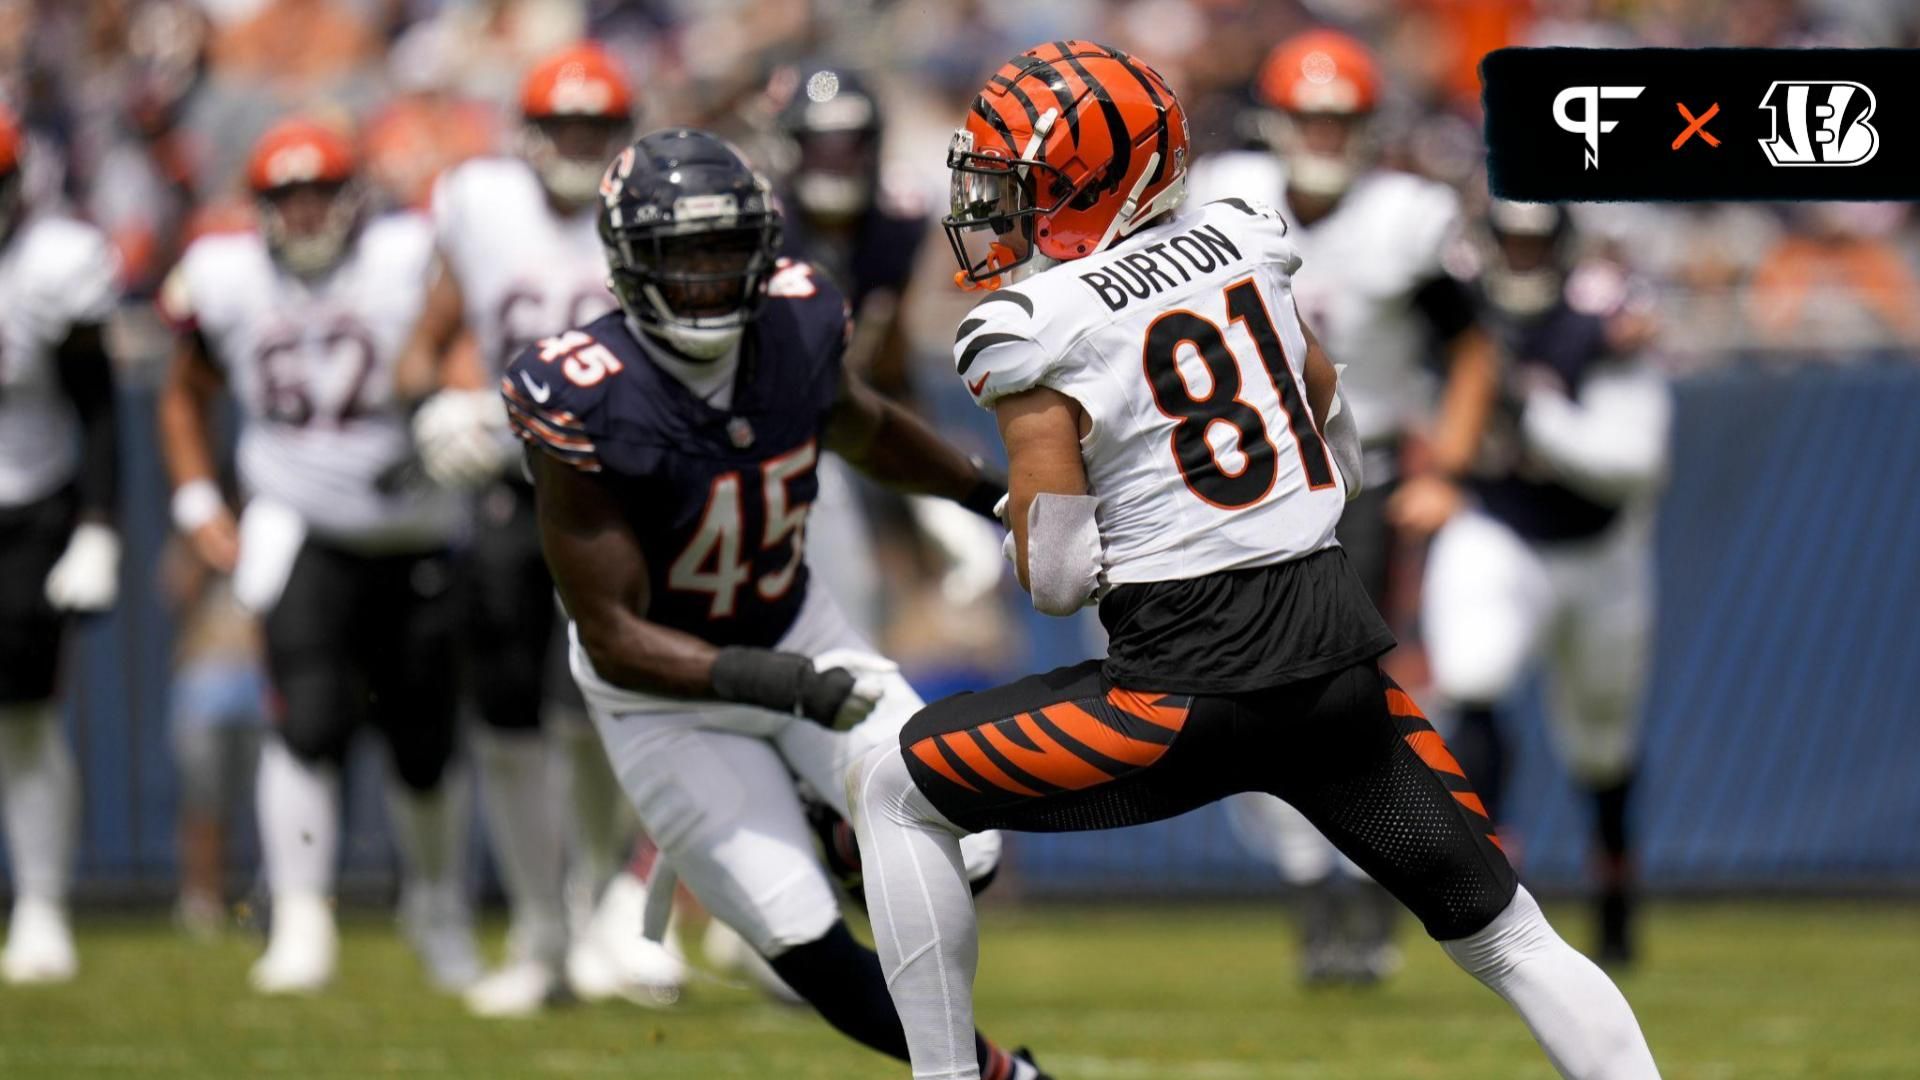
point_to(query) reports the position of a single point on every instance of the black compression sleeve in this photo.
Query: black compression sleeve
(986, 492)
(781, 681)
(86, 376)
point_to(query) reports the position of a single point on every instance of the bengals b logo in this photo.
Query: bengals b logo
(1825, 123)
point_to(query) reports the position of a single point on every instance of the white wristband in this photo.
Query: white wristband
(195, 503)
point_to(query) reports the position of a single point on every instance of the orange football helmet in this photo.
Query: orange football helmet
(10, 181)
(9, 141)
(1069, 147)
(1322, 87)
(300, 151)
(303, 173)
(578, 110)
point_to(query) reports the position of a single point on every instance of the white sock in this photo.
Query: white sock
(430, 829)
(922, 911)
(299, 821)
(41, 792)
(524, 827)
(1575, 1012)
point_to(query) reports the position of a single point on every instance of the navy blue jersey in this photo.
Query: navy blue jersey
(1573, 344)
(718, 498)
(877, 255)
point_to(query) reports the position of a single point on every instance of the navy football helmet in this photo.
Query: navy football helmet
(1528, 252)
(831, 128)
(691, 234)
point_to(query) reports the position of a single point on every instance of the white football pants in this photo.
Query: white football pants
(714, 783)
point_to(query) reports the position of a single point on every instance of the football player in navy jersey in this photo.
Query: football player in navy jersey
(1554, 560)
(673, 445)
(839, 215)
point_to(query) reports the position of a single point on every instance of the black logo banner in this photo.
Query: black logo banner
(1659, 124)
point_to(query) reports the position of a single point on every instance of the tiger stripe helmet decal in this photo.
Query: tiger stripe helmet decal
(1068, 147)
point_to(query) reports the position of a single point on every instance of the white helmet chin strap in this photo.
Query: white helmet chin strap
(690, 339)
(700, 343)
(1132, 215)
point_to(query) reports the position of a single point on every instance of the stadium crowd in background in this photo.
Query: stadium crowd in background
(140, 115)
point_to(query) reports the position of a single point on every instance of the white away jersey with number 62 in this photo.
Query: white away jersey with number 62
(311, 364)
(1182, 344)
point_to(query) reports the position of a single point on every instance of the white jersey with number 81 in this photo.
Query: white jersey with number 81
(1182, 345)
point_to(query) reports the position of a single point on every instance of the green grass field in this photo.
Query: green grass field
(1181, 993)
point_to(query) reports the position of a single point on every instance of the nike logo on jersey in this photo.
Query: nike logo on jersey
(1149, 271)
(979, 384)
(540, 391)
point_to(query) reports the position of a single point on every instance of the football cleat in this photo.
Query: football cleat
(614, 959)
(729, 954)
(302, 947)
(514, 992)
(1025, 1057)
(439, 927)
(39, 945)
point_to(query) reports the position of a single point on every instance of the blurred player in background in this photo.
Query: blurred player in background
(519, 260)
(1170, 427)
(216, 715)
(673, 446)
(302, 320)
(1554, 560)
(59, 551)
(1374, 289)
(864, 233)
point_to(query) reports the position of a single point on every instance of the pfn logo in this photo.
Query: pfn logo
(1589, 125)
(1826, 124)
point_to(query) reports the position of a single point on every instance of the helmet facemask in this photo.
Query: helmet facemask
(308, 225)
(1526, 263)
(570, 152)
(695, 284)
(833, 180)
(992, 205)
(1324, 152)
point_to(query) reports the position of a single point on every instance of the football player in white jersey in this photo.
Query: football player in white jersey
(59, 553)
(1375, 292)
(519, 260)
(1179, 455)
(1554, 560)
(302, 321)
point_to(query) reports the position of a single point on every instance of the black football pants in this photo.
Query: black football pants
(1068, 750)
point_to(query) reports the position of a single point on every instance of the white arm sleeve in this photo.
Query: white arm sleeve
(1610, 444)
(1063, 552)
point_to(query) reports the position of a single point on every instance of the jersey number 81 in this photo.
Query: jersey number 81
(1199, 462)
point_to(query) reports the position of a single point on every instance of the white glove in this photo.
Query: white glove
(966, 542)
(871, 674)
(462, 437)
(87, 577)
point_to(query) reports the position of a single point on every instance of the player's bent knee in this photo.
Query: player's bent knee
(420, 760)
(1511, 935)
(880, 784)
(313, 731)
(794, 917)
